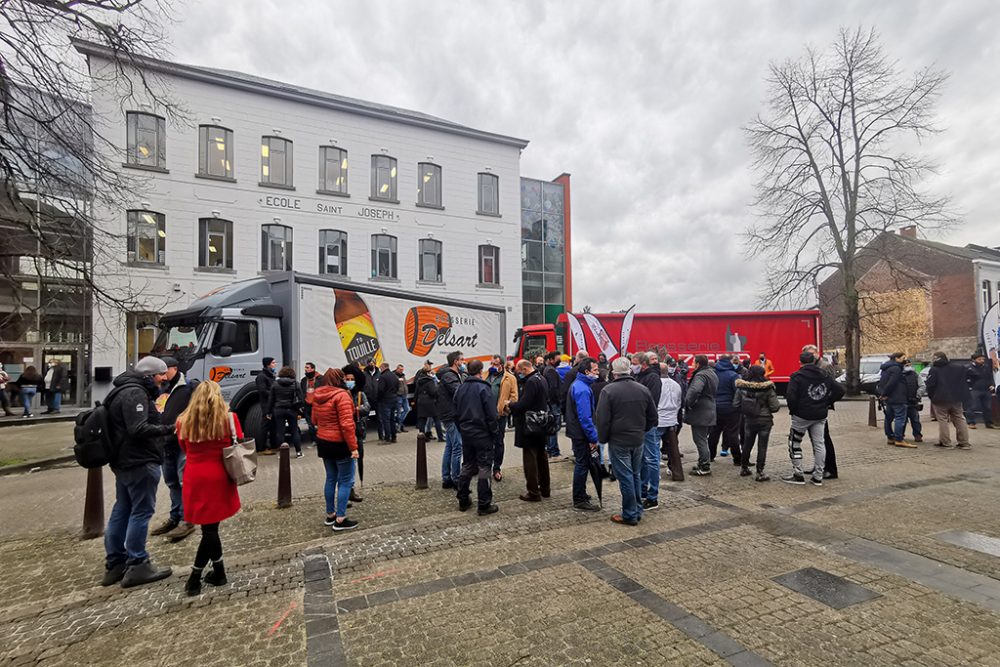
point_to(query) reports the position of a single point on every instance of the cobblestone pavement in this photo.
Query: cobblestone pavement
(696, 583)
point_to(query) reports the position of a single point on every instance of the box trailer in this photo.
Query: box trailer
(298, 318)
(778, 334)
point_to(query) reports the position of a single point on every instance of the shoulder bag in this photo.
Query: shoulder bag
(239, 458)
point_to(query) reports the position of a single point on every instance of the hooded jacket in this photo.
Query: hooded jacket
(649, 378)
(728, 376)
(811, 391)
(450, 381)
(286, 394)
(134, 424)
(891, 383)
(264, 381)
(333, 415)
(948, 383)
(912, 383)
(699, 400)
(980, 377)
(476, 411)
(625, 414)
(175, 401)
(425, 390)
(580, 410)
(757, 401)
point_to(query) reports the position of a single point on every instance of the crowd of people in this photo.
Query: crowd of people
(621, 418)
(31, 383)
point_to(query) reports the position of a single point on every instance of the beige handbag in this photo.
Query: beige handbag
(240, 458)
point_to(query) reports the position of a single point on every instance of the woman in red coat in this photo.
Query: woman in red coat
(209, 495)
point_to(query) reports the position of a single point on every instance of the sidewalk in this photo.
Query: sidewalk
(893, 563)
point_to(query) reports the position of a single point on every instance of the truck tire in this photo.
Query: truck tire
(254, 426)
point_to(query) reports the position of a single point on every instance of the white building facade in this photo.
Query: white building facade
(264, 176)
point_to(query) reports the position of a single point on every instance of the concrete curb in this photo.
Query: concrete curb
(20, 421)
(43, 463)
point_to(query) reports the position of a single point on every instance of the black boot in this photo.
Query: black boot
(354, 497)
(193, 585)
(144, 573)
(217, 577)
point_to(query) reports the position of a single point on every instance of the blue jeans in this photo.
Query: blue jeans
(339, 480)
(982, 402)
(135, 502)
(552, 445)
(436, 423)
(386, 412)
(55, 401)
(626, 462)
(913, 417)
(451, 461)
(174, 459)
(27, 395)
(402, 409)
(895, 421)
(651, 456)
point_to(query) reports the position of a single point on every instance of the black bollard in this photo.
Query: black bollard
(284, 477)
(872, 414)
(93, 505)
(421, 461)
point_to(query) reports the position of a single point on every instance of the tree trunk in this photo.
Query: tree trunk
(852, 333)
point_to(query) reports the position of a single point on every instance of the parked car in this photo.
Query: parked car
(871, 371)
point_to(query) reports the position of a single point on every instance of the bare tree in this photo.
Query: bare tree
(56, 167)
(835, 169)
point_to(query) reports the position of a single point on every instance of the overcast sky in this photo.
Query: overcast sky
(642, 102)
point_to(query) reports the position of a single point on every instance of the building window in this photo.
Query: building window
(383, 256)
(276, 162)
(215, 151)
(332, 170)
(489, 194)
(987, 293)
(333, 252)
(384, 178)
(147, 140)
(428, 184)
(275, 248)
(430, 261)
(147, 237)
(489, 265)
(215, 243)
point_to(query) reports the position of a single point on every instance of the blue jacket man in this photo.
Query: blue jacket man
(475, 411)
(582, 431)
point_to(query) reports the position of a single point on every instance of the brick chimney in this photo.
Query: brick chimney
(910, 231)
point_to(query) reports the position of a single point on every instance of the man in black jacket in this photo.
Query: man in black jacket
(386, 398)
(810, 393)
(553, 380)
(948, 389)
(625, 414)
(173, 400)
(912, 382)
(982, 387)
(137, 438)
(892, 391)
(449, 380)
(264, 381)
(476, 417)
(649, 377)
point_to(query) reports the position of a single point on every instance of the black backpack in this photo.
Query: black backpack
(92, 446)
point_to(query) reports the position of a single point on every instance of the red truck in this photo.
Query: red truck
(778, 334)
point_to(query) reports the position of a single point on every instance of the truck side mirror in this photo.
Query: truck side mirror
(226, 335)
(224, 350)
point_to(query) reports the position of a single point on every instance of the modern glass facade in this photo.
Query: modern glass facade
(544, 249)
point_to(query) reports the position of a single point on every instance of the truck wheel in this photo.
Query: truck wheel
(254, 424)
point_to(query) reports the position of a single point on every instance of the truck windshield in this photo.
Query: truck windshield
(178, 341)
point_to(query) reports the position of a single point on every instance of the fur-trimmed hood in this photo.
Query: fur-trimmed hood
(754, 386)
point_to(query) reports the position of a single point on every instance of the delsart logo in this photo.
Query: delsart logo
(428, 326)
(219, 373)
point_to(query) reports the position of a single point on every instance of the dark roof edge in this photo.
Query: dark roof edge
(200, 74)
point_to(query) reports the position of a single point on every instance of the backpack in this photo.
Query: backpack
(92, 446)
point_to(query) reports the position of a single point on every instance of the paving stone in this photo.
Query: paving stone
(829, 589)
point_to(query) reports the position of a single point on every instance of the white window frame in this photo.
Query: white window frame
(393, 255)
(205, 240)
(158, 223)
(157, 158)
(332, 183)
(327, 238)
(272, 149)
(385, 172)
(268, 260)
(429, 185)
(433, 251)
(484, 178)
(494, 256)
(209, 149)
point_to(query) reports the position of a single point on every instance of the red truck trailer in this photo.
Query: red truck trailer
(778, 334)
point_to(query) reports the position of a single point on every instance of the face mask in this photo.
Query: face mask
(462, 367)
(349, 384)
(636, 368)
(520, 375)
(494, 370)
(310, 374)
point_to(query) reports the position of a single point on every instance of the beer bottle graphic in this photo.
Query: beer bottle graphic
(356, 328)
